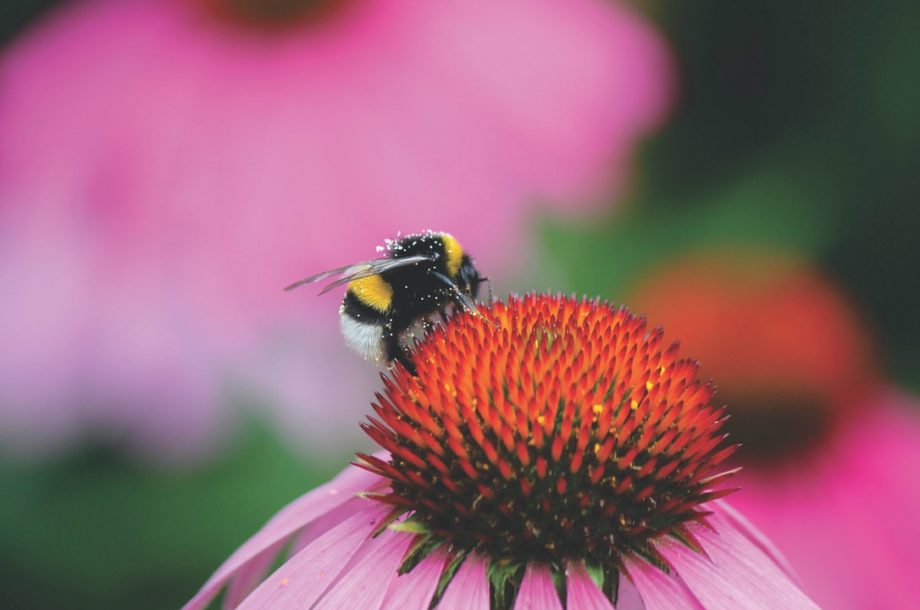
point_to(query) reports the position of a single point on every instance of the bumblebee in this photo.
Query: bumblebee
(422, 275)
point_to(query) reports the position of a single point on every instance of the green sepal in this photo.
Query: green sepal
(410, 526)
(505, 579)
(421, 547)
(559, 583)
(385, 523)
(685, 537)
(596, 572)
(606, 577)
(652, 556)
(447, 575)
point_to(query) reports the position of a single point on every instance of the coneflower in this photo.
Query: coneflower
(550, 453)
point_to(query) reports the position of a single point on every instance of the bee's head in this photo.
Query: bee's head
(458, 269)
(468, 279)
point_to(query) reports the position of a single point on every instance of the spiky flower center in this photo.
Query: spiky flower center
(549, 429)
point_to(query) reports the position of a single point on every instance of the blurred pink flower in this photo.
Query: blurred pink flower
(831, 464)
(166, 166)
(846, 517)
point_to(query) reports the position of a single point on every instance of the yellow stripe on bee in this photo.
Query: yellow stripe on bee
(454, 254)
(373, 291)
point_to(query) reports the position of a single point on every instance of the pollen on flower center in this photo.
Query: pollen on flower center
(549, 429)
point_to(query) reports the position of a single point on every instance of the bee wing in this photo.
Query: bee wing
(318, 277)
(358, 271)
(375, 267)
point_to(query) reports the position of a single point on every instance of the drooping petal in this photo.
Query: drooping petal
(628, 597)
(323, 524)
(307, 575)
(659, 591)
(469, 590)
(364, 584)
(581, 592)
(736, 573)
(292, 518)
(415, 589)
(537, 590)
(250, 575)
(757, 537)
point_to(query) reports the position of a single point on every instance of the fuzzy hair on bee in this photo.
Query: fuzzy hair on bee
(423, 275)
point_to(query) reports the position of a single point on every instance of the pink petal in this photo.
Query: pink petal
(628, 597)
(304, 577)
(737, 574)
(758, 538)
(581, 592)
(366, 580)
(415, 589)
(287, 522)
(659, 591)
(323, 524)
(469, 590)
(250, 575)
(537, 591)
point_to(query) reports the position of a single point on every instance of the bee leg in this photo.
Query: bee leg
(491, 296)
(428, 325)
(394, 349)
(400, 355)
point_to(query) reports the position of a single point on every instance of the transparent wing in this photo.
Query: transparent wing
(318, 277)
(375, 267)
(359, 271)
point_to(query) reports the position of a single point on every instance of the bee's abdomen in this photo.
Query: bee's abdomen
(364, 338)
(374, 292)
(362, 326)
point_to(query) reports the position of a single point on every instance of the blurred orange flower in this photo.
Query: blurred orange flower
(829, 451)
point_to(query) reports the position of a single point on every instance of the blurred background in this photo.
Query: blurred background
(744, 173)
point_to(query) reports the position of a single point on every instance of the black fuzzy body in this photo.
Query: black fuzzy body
(419, 291)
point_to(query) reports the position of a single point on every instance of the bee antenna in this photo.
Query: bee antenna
(465, 301)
